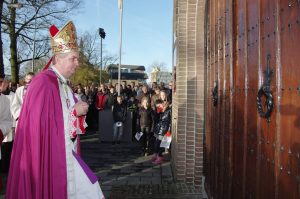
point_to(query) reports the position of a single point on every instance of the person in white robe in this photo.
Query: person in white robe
(19, 96)
(6, 121)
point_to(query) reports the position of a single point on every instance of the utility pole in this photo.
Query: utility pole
(102, 36)
(120, 5)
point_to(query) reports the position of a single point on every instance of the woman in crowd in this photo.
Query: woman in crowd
(162, 126)
(145, 123)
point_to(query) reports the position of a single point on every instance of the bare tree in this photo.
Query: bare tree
(109, 59)
(39, 65)
(90, 44)
(158, 65)
(90, 60)
(33, 18)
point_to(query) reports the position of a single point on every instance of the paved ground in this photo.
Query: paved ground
(124, 173)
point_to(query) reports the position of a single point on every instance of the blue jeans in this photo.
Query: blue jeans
(118, 132)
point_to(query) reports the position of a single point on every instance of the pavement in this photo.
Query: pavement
(126, 174)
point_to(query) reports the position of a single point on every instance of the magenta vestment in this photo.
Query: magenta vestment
(38, 162)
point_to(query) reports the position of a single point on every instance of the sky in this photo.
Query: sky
(147, 28)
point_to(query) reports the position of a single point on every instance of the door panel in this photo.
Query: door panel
(251, 92)
(289, 120)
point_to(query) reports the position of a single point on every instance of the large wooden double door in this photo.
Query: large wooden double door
(253, 46)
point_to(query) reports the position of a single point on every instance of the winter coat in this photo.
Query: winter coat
(145, 118)
(163, 123)
(119, 112)
(101, 101)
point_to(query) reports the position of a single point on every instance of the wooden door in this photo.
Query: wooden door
(249, 43)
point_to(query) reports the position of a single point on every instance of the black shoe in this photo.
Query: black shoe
(118, 142)
(113, 143)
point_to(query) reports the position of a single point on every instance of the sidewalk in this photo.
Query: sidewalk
(126, 174)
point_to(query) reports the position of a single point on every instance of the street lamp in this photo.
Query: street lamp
(102, 36)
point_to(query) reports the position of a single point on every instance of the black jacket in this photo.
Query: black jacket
(119, 112)
(145, 118)
(163, 123)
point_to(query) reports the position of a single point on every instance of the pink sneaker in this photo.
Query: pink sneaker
(154, 157)
(158, 160)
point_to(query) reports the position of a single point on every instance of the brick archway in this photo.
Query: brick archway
(188, 101)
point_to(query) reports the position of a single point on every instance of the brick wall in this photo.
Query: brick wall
(188, 100)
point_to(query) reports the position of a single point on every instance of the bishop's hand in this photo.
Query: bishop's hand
(81, 108)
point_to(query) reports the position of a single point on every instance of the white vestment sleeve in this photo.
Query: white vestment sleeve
(6, 121)
(17, 103)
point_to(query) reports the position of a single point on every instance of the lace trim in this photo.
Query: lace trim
(77, 124)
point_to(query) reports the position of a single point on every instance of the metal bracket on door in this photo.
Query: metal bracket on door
(265, 90)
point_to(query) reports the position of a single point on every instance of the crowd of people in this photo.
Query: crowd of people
(147, 104)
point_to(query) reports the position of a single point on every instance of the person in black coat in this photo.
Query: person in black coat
(145, 124)
(119, 116)
(161, 127)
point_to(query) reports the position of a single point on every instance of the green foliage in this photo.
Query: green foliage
(87, 74)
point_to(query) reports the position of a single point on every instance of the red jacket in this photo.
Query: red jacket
(100, 101)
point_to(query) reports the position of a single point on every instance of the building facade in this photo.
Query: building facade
(129, 73)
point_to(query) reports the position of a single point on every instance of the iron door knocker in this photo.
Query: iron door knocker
(265, 90)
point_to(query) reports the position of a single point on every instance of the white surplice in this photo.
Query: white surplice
(17, 102)
(79, 185)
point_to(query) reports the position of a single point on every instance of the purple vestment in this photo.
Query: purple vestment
(38, 162)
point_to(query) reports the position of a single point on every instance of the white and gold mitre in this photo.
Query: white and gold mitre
(64, 40)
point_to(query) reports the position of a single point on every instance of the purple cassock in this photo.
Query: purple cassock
(38, 163)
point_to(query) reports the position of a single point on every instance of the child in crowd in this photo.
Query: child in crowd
(145, 124)
(119, 116)
(164, 96)
(162, 126)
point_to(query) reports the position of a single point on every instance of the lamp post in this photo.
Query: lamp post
(102, 36)
(120, 5)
